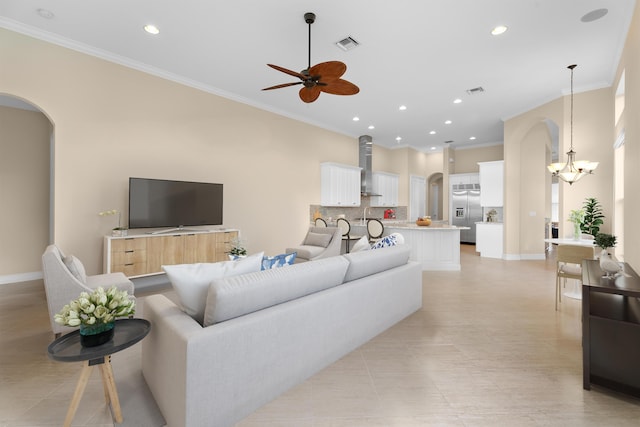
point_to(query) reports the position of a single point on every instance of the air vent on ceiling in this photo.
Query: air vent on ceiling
(448, 142)
(475, 90)
(347, 43)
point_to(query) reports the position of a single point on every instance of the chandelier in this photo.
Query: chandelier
(573, 169)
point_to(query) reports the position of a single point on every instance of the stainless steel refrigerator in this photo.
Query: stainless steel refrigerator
(466, 210)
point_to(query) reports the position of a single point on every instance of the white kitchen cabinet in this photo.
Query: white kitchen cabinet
(489, 237)
(491, 183)
(385, 184)
(340, 185)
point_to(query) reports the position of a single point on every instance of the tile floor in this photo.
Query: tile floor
(487, 349)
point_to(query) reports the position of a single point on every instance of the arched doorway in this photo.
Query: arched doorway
(436, 193)
(26, 137)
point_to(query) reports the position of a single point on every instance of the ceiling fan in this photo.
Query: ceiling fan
(323, 77)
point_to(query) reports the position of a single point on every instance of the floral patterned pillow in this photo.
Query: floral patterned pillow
(269, 262)
(390, 240)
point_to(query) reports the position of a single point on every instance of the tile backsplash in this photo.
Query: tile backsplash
(355, 213)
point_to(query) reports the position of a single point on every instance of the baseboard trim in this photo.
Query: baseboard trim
(21, 277)
(524, 257)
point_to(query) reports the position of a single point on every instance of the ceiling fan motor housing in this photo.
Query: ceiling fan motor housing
(309, 17)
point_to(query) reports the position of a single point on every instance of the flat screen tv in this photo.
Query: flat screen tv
(157, 203)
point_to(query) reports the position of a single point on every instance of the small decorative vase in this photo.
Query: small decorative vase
(576, 231)
(98, 334)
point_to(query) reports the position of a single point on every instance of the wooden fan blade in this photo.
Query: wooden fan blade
(340, 87)
(309, 94)
(291, 73)
(328, 71)
(282, 85)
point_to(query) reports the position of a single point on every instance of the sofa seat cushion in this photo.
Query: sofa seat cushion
(366, 263)
(231, 297)
(191, 281)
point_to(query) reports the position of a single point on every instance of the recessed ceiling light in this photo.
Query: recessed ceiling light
(433, 148)
(356, 119)
(448, 122)
(500, 29)
(457, 101)
(151, 29)
(472, 138)
(398, 139)
(372, 127)
(402, 107)
(433, 132)
(46, 14)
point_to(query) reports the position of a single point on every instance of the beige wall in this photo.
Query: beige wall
(526, 139)
(466, 160)
(24, 189)
(630, 62)
(112, 122)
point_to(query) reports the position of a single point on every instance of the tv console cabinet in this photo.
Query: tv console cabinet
(611, 329)
(144, 254)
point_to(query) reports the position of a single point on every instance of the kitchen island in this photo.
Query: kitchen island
(436, 247)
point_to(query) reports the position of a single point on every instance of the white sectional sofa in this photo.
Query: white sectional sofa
(271, 330)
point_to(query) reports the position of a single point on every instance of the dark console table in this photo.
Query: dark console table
(611, 329)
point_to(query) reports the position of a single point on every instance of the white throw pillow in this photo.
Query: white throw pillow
(361, 245)
(191, 281)
(76, 268)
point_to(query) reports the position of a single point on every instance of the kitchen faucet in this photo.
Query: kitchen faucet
(364, 214)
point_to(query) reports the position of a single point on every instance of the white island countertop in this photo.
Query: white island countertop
(436, 247)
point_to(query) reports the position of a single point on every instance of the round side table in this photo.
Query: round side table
(68, 349)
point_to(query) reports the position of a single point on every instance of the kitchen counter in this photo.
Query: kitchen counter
(436, 247)
(489, 239)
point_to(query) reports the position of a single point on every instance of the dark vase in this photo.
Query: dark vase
(98, 334)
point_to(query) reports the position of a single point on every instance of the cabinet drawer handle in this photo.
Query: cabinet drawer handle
(129, 252)
(128, 265)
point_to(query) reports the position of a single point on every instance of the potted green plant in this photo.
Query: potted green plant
(237, 249)
(607, 264)
(593, 216)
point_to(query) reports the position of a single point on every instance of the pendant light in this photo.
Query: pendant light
(573, 169)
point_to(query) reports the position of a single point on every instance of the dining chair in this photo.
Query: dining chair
(375, 229)
(319, 222)
(569, 265)
(345, 229)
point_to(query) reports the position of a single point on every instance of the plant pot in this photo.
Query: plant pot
(119, 232)
(95, 335)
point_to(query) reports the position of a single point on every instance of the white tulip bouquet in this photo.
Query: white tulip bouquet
(95, 308)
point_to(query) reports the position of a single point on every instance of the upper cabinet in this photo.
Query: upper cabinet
(492, 183)
(340, 185)
(386, 185)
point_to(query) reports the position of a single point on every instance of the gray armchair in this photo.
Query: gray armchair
(320, 242)
(65, 279)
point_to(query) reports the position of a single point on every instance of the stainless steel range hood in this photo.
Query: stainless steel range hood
(365, 150)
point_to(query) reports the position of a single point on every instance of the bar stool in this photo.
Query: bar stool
(345, 229)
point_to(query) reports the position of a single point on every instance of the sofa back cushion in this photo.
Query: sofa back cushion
(232, 297)
(366, 263)
(191, 281)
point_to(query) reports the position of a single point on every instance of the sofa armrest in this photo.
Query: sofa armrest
(164, 353)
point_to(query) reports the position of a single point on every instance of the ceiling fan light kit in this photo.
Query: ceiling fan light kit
(573, 169)
(322, 77)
